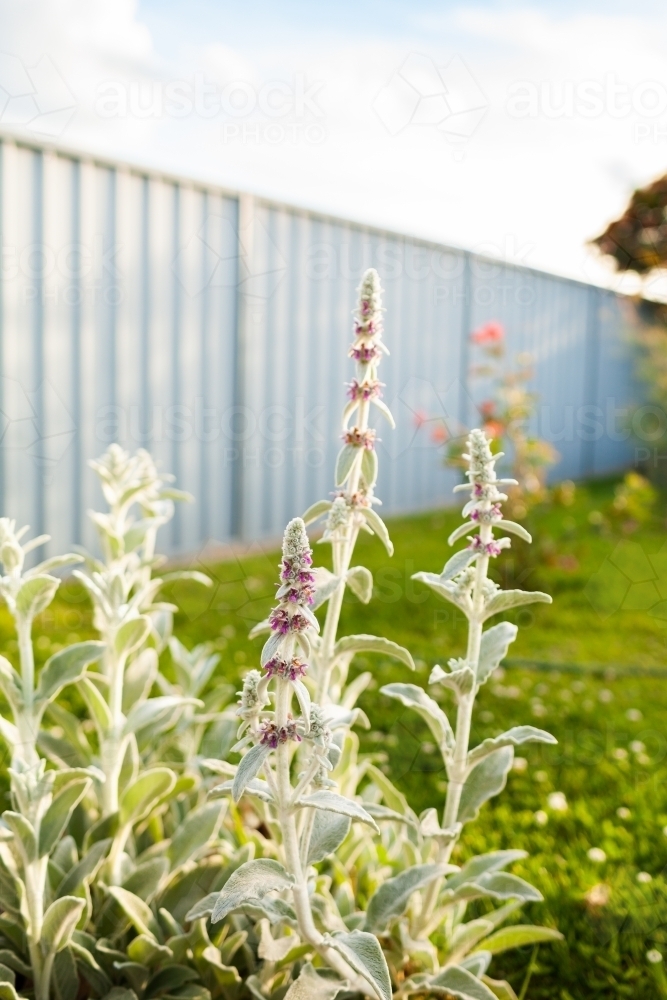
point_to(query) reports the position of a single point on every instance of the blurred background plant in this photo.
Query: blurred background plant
(505, 415)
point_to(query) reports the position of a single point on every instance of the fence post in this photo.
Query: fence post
(591, 376)
(245, 247)
(464, 356)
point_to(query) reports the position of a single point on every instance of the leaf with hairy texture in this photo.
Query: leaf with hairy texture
(65, 975)
(131, 635)
(169, 979)
(259, 629)
(10, 683)
(484, 781)
(7, 974)
(447, 590)
(477, 962)
(59, 922)
(24, 833)
(13, 961)
(369, 466)
(360, 581)
(500, 988)
(106, 827)
(385, 411)
(461, 984)
(256, 787)
(58, 814)
(514, 529)
(379, 528)
(459, 532)
(500, 885)
(8, 992)
(316, 510)
(35, 595)
(344, 463)
(204, 908)
(332, 802)
(139, 678)
(517, 936)
(363, 953)
(391, 899)
(249, 768)
(82, 871)
(146, 951)
(143, 794)
(355, 688)
(482, 863)
(97, 706)
(250, 883)
(328, 833)
(303, 697)
(373, 644)
(493, 648)
(326, 584)
(154, 711)
(458, 562)
(199, 827)
(381, 812)
(145, 879)
(270, 648)
(138, 913)
(66, 667)
(506, 599)
(460, 681)
(311, 986)
(515, 737)
(416, 698)
(9, 732)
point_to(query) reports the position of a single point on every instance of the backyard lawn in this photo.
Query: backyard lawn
(592, 811)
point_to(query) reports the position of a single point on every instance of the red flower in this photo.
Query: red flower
(493, 429)
(492, 332)
(439, 434)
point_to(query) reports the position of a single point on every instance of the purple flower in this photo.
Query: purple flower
(289, 670)
(273, 735)
(491, 548)
(365, 353)
(360, 439)
(364, 390)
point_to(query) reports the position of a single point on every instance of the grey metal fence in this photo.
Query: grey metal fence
(211, 327)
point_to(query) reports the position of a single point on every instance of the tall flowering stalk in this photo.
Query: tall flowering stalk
(302, 807)
(474, 775)
(352, 509)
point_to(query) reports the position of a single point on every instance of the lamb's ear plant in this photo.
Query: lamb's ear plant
(421, 910)
(307, 813)
(352, 511)
(298, 792)
(134, 626)
(41, 908)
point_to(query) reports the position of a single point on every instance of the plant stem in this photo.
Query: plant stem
(26, 721)
(35, 880)
(343, 551)
(529, 973)
(287, 821)
(458, 766)
(112, 742)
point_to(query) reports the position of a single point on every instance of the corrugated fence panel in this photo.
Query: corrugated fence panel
(212, 328)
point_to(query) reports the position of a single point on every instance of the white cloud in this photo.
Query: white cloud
(533, 187)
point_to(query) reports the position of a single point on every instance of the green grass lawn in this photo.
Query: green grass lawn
(610, 612)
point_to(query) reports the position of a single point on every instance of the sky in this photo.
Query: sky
(515, 129)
